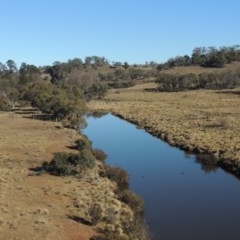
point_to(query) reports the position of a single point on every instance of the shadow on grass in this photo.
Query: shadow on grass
(229, 92)
(79, 220)
(36, 171)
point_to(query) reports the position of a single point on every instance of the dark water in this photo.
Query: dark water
(183, 199)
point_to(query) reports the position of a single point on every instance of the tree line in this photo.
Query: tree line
(205, 57)
(60, 90)
(63, 85)
(179, 82)
(86, 79)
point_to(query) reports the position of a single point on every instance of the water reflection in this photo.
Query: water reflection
(208, 162)
(96, 114)
(186, 197)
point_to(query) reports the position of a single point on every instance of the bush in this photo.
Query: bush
(118, 175)
(59, 165)
(136, 228)
(83, 159)
(99, 155)
(64, 164)
(134, 201)
(4, 104)
(110, 216)
(83, 143)
(96, 213)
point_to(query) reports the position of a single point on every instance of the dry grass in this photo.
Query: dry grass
(202, 120)
(45, 206)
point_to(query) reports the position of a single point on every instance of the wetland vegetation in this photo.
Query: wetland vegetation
(191, 102)
(181, 191)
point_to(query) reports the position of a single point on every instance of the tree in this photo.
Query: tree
(9, 92)
(198, 56)
(82, 79)
(98, 89)
(12, 67)
(125, 65)
(28, 73)
(59, 102)
(3, 68)
(135, 73)
(216, 60)
(88, 61)
(56, 72)
(117, 64)
(75, 63)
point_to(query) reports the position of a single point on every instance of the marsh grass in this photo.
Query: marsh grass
(203, 121)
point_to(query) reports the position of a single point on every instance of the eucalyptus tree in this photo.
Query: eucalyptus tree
(28, 73)
(12, 66)
(3, 68)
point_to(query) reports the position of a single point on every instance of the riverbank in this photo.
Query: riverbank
(36, 205)
(202, 121)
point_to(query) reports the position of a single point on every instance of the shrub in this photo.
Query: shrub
(4, 104)
(64, 164)
(134, 201)
(83, 143)
(96, 213)
(99, 155)
(59, 165)
(110, 216)
(136, 228)
(118, 175)
(83, 159)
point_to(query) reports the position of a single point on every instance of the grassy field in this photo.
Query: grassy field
(201, 121)
(34, 206)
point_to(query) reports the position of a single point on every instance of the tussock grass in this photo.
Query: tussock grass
(202, 121)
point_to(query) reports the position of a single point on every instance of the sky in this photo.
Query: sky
(136, 31)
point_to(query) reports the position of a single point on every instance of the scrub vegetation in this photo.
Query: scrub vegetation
(72, 194)
(191, 102)
(83, 164)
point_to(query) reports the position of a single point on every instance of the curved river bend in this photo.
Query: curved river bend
(183, 199)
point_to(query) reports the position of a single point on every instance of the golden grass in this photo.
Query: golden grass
(37, 207)
(201, 120)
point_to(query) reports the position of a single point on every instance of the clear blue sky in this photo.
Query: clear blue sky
(41, 32)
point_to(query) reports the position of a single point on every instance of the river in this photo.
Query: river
(183, 199)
